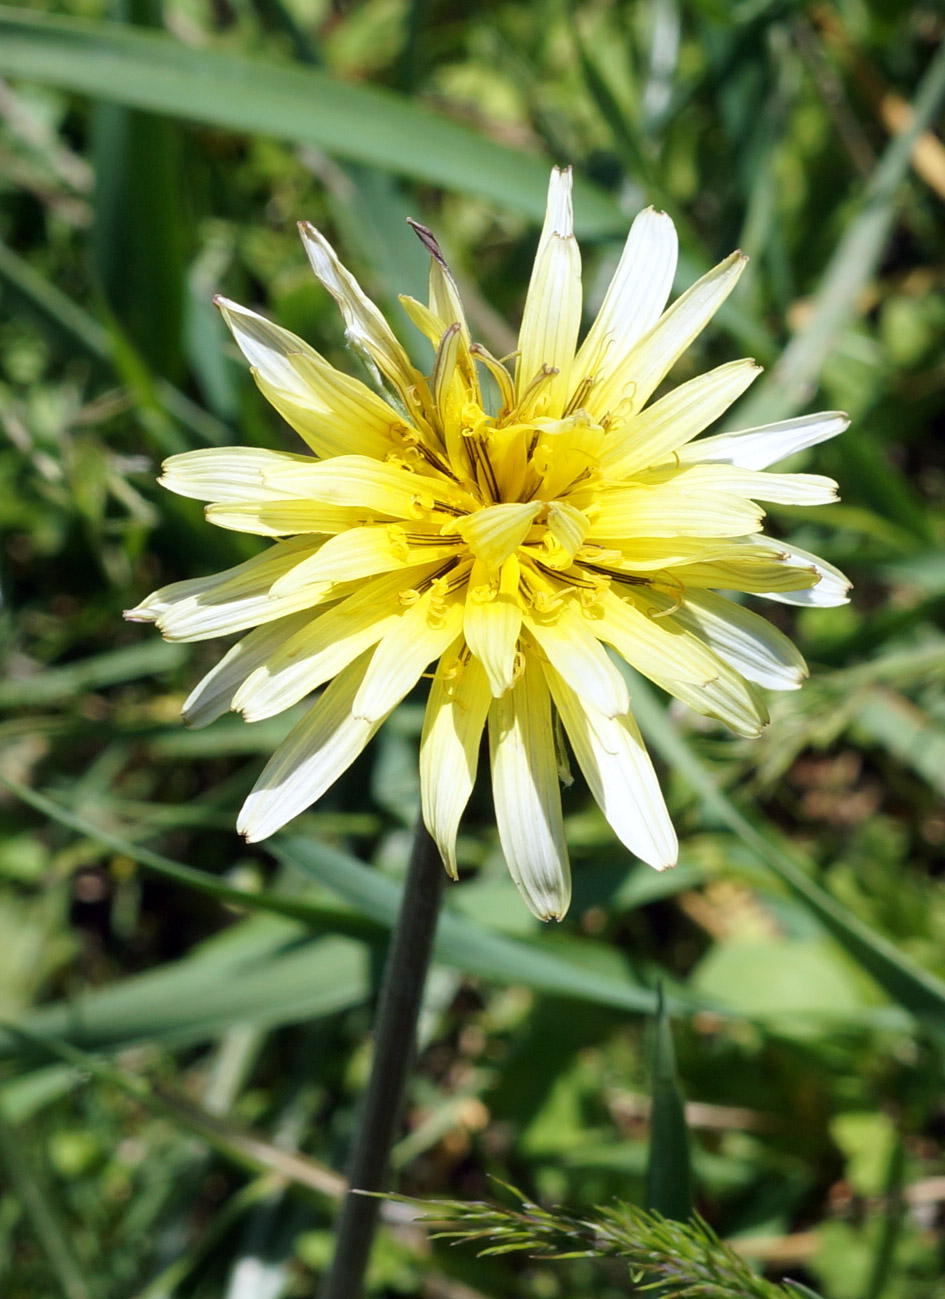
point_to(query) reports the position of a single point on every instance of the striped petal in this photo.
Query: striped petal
(420, 635)
(449, 746)
(619, 774)
(310, 760)
(214, 695)
(632, 305)
(492, 620)
(569, 645)
(745, 641)
(365, 327)
(320, 649)
(526, 795)
(757, 448)
(552, 315)
(229, 474)
(666, 426)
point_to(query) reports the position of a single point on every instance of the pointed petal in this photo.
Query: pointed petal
(334, 413)
(361, 552)
(552, 315)
(310, 759)
(366, 328)
(668, 509)
(492, 620)
(496, 532)
(831, 587)
(745, 641)
(709, 479)
(569, 645)
(526, 795)
(321, 648)
(757, 448)
(228, 473)
(619, 774)
(646, 365)
(449, 746)
(203, 607)
(647, 643)
(357, 480)
(632, 305)
(214, 695)
(666, 426)
(424, 632)
(284, 518)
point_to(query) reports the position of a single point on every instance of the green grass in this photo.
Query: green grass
(188, 1017)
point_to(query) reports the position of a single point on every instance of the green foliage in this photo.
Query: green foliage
(192, 1014)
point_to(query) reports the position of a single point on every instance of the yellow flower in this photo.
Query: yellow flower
(507, 524)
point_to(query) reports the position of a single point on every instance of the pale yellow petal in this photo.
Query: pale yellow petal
(646, 365)
(496, 532)
(632, 305)
(203, 607)
(310, 759)
(321, 648)
(661, 429)
(229, 473)
(619, 774)
(359, 553)
(365, 327)
(757, 448)
(449, 746)
(571, 646)
(492, 620)
(710, 479)
(745, 641)
(526, 795)
(552, 315)
(357, 480)
(667, 510)
(285, 518)
(214, 695)
(626, 622)
(424, 632)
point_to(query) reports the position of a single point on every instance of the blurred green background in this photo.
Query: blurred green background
(180, 1095)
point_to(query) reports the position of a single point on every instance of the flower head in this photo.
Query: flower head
(512, 524)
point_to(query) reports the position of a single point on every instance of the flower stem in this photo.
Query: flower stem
(395, 1029)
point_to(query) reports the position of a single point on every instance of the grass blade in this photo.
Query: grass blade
(266, 97)
(669, 1166)
(916, 990)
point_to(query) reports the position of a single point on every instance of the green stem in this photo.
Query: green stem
(395, 1031)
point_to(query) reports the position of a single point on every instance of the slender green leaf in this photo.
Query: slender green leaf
(263, 96)
(669, 1167)
(916, 990)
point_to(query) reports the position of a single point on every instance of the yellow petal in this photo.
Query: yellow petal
(362, 552)
(496, 532)
(320, 649)
(572, 648)
(424, 632)
(675, 419)
(631, 307)
(214, 695)
(285, 518)
(229, 473)
(449, 746)
(552, 315)
(492, 621)
(619, 774)
(526, 796)
(310, 759)
(666, 509)
(231, 601)
(365, 327)
(356, 480)
(646, 365)
(626, 622)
